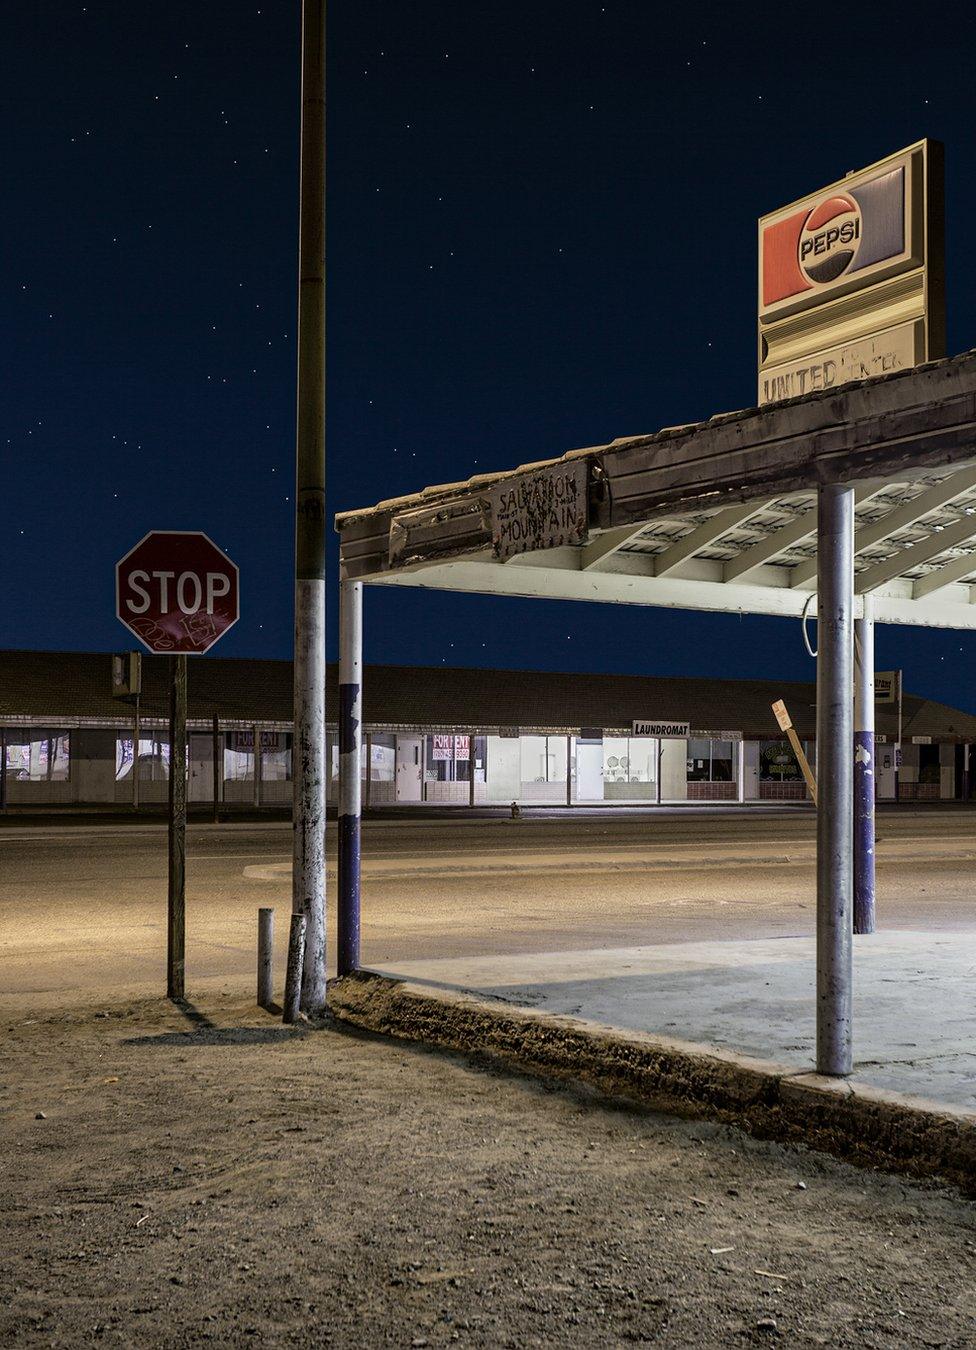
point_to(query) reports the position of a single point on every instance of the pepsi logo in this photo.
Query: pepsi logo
(829, 239)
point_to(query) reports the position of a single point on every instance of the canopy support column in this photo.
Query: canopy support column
(350, 772)
(864, 775)
(835, 730)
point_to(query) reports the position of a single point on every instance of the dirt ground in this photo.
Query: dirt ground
(175, 1178)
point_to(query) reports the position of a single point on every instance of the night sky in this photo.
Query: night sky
(541, 236)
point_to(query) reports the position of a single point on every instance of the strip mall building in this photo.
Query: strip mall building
(443, 736)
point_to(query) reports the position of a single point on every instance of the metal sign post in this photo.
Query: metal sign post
(178, 593)
(835, 775)
(176, 894)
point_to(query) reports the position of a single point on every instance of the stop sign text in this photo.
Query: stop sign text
(177, 592)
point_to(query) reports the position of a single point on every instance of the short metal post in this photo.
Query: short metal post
(965, 773)
(265, 957)
(296, 960)
(350, 773)
(864, 771)
(176, 908)
(835, 730)
(218, 770)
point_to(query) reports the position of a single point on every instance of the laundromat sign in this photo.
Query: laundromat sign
(662, 729)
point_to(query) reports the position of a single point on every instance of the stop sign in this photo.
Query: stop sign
(177, 592)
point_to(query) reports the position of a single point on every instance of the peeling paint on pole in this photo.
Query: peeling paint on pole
(864, 775)
(308, 874)
(350, 772)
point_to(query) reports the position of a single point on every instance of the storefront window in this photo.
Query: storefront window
(711, 761)
(777, 763)
(38, 756)
(723, 763)
(153, 759)
(642, 752)
(382, 757)
(480, 761)
(699, 762)
(928, 764)
(543, 759)
(275, 757)
(616, 760)
(239, 757)
(448, 759)
(630, 768)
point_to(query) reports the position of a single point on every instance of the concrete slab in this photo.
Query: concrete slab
(915, 1008)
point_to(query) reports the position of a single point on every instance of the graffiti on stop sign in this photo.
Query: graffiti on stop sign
(177, 592)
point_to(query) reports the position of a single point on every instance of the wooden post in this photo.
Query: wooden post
(265, 957)
(296, 958)
(218, 770)
(176, 924)
(803, 762)
(786, 724)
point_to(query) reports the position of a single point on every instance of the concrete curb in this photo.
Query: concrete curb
(863, 1124)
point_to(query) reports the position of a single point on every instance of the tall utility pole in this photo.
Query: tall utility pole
(308, 751)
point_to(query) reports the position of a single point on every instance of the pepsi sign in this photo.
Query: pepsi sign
(839, 239)
(853, 273)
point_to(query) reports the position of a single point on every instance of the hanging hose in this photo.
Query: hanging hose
(803, 622)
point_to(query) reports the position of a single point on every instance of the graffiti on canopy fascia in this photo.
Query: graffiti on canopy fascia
(543, 509)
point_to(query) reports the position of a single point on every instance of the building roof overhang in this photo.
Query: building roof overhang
(722, 515)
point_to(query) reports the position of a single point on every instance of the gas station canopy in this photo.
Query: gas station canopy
(718, 515)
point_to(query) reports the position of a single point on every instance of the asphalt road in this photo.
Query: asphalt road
(83, 907)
